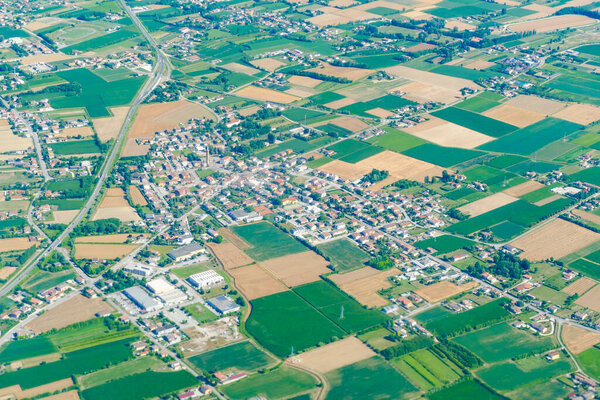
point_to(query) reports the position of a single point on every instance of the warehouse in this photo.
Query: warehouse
(206, 279)
(223, 304)
(185, 252)
(142, 299)
(166, 292)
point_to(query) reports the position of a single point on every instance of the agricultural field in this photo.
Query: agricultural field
(279, 383)
(241, 356)
(343, 255)
(267, 241)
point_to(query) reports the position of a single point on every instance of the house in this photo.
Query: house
(552, 356)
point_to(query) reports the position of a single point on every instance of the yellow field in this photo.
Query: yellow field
(297, 269)
(304, 81)
(16, 391)
(13, 244)
(350, 73)
(134, 149)
(486, 204)
(103, 251)
(583, 114)
(580, 286)
(442, 290)
(240, 68)
(229, 255)
(591, 299)
(364, 284)
(448, 134)
(10, 141)
(523, 188)
(152, 118)
(259, 93)
(115, 205)
(536, 104)
(578, 339)
(555, 239)
(137, 197)
(64, 216)
(552, 23)
(333, 355)
(109, 127)
(269, 64)
(255, 282)
(5, 272)
(114, 238)
(514, 115)
(351, 123)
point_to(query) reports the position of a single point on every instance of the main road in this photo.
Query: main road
(161, 70)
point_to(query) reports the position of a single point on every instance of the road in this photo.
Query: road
(161, 70)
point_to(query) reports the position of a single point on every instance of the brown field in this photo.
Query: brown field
(51, 387)
(536, 104)
(591, 299)
(109, 127)
(255, 282)
(363, 284)
(555, 239)
(64, 216)
(297, 269)
(548, 200)
(115, 205)
(350, 73)
(442, 290)
(523, 188)
(461, 26)
(134, 149)
(448, 134)
(79, 131)
(351, 123)
(259, 93)
(229, 255)
(333, 355)
(552, 23)
(10, 141)
(417, 15)
(480, 64)
(152, 118)
(588, 216)
(346, 101)
(233, 238)
(76, 309)
(514, 115)
(35, 25)
(304, 81)
(70, 395)
(398, 165)
(137, 197)
(103, 251)
(580, 286)
(45, 58)
(114, 238)
(486, 204)
(583, 114)
(422, 92)
(301, 92)
(34, 361)
(430, 78)
(5, 272)
(578, 339)
(13, 244)
(380, 112)
(242, 69)
(245, 112)
(269, 64)
(342, 3)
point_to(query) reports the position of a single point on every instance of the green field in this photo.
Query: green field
(590, 362)
(19, 350)
(344, 255)
(101, 41)
(589, 175)
(372, 378)
(508, 376)
(301, 114)
(243, 356)
(353, 151)
(267, 241)
(135, 366)
(274, 323)
(433, 370)
(396, 140)
(445, 243)
(465, 389)
(74, 363)
(506, 230)
(75, 147)
(482, 102)
(505, 160)
(481, 316)
(340, 308)
(276, 384)
(527, 140)
(501, 342)
(587, 268)
(442, 156)
(296, 145)
(148, 384)
(477, 122)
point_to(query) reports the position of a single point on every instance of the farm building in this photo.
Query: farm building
(223, 304)
(142, 299)
(206, 279)
(186, 252)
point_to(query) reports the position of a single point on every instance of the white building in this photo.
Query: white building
(159, 285)
(206, 279)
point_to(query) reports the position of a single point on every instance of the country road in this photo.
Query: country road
(161, 70)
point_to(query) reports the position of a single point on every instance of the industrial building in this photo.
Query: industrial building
(185, 252)
(139, 269)
(142, 299)
(166, 292)
(223, 304)
(206, 279)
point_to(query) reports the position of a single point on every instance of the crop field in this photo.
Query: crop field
(22, 349)
(586, 267)
(115, 205)
(523, 189)
(241, 356)
(501, 342)
(333, 355)
(465, 389)
(396, 140)
(442, 290)
(75, 147)
(527, 140)
(344, 255)
(487, 204)
(75, 362)
(515, 116)
(509, 376)
(442, 156)
(108, 127)
(43, 280)
(157, 117)
(444, 133)
(273, 323)
(255, 282)
(339, 307)
(258, 93)
(279, 383)
(428, 369)
(480, 103)
(444, 244)
(580, 286)
(591, 299)
(101, 41)
(103, 251)
(364, 284)
(452, 324)
(135, 366)
(477, 122)
(555, 239)
(14, 244)
(590, 362)
(230, 255)
(77, 309)
(577, 339)
(267, 241)
(145, 385)
(588, 175)
(298, 268)
(371, 378)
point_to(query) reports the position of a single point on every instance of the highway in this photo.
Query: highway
(161, 70)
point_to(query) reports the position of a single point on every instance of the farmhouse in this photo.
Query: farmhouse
(206, 279)
(186, 252)
(142, 299)
(223, 304)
